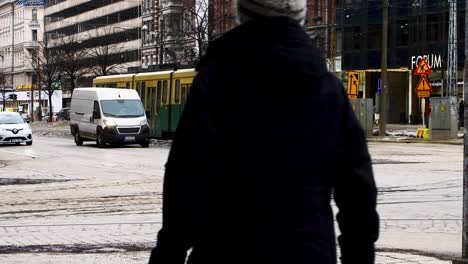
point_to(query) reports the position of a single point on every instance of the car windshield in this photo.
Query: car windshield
(13, 118)
(122, 108)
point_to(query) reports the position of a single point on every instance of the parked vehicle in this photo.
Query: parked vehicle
(108, 116)
(25, 116)
(14, 129)
(63, 114)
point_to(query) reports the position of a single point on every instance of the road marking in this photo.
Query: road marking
(20, 154)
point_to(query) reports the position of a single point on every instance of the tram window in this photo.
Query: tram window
(185, 92)
(138, 89)
(127, 85)
(149, 101)
(177, 91)
(158, 96)
(164, 91)
(143, 93)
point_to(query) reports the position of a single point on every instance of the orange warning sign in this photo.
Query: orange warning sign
(424, 94)
(423, 85)
(423, 68)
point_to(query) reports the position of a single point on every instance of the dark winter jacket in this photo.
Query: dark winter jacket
(266, 139)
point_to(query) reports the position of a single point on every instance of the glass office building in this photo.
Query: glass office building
(417, 28)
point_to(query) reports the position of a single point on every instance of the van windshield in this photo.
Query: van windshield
(122, 108)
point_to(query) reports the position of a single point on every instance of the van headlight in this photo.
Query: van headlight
(143, 122)
(109, 123)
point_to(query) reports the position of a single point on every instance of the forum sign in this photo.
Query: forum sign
(433, 60)
(30, 3)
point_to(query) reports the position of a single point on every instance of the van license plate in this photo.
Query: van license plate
(15, 140)
(129, 139)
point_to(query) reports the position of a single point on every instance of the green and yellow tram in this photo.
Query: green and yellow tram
(163, 93)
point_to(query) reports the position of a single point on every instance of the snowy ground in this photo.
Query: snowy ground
(59, 199)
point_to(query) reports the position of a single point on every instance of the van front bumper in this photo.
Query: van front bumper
(112, 135)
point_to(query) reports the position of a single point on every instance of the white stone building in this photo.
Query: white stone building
(21, 27)
(167, 37)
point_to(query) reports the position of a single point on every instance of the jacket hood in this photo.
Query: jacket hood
(278, 44)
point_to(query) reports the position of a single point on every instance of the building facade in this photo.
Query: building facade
(168, 36)
(109, 29)
(417, 29)
(150, 38)
(21, 25)
(323, 35)
(224, 17)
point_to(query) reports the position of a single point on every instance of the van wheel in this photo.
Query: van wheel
(78, 138)
(29, 143)
(100, 142)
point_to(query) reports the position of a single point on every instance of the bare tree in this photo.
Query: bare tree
(46, 62)
(103, 55)
(72, 62)
(196, 24)
(193, 33)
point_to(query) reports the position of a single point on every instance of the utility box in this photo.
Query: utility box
(364, 110)
(443, 122)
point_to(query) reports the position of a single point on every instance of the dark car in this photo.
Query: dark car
(64, 114)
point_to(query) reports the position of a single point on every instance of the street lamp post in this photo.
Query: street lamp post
(3, 85)
(144, 28)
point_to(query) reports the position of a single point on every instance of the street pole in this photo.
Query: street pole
(465, 158)
(465, 152)
(332, 35)
(3, 84)
(384, 77)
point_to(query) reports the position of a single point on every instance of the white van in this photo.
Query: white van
(108, 116)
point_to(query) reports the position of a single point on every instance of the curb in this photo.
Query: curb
(457, 142)
(438, 256)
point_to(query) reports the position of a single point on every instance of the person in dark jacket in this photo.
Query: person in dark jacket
(266, 139)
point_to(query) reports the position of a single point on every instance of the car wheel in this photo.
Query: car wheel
(144, 145)
(100, 142)
(29, 143)
(78, 139)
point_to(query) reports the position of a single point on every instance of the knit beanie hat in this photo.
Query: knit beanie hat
(255, 9)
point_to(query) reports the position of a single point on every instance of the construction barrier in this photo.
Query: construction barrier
(422, 133)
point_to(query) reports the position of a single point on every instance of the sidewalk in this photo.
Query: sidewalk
(407, 134)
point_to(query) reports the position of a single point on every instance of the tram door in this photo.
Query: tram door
(185, 88)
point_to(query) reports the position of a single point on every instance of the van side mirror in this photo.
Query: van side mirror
(96, 115)
(148, 114)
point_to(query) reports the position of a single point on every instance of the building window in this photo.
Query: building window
(34, 14)
(34, 35)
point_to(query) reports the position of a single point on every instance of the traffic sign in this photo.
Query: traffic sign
(424, 94)
(423, 85)
(353, 85)
(423, 68)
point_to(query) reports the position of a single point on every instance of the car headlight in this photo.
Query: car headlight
(143, 122)
(109, 123)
